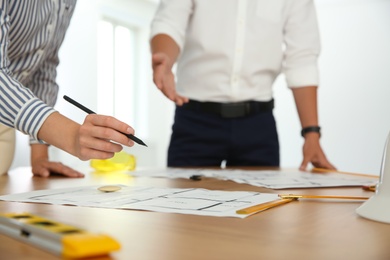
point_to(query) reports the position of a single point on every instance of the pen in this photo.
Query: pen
(89, 111)
(293, 196)
(322, 170)
(264, 206)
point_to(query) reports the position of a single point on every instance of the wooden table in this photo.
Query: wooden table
(305, 229)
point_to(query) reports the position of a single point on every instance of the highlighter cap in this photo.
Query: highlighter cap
(377, 207)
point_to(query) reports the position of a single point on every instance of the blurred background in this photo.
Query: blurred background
(105, 65)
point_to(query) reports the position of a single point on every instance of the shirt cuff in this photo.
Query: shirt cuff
(31, 117)
(304, 76)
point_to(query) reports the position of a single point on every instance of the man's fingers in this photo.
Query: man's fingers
(158, 78)
(304, 164)
(324, 165)
(180, 100)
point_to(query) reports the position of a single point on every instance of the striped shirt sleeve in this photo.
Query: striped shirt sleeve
(19, 108)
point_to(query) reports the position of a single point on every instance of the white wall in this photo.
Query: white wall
(355, 83)
(354, 89)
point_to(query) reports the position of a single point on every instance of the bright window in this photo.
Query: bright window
(117, 79)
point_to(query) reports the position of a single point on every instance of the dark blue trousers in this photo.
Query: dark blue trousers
(202, 139)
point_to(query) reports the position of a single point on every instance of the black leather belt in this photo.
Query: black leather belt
(230, 110)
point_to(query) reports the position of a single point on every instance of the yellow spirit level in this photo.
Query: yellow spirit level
(55, 237)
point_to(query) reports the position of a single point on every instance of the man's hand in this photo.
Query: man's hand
(306, 103)
(164, 78)
(312, 153)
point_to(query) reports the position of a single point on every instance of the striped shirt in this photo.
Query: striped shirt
(31, 33)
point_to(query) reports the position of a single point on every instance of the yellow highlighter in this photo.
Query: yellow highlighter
(121, 161)
(56, 238)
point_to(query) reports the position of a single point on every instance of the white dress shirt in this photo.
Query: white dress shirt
(31, 33)
(233, 50)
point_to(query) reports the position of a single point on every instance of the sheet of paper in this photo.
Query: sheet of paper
(289, 179)
(269, 179)
(171, 200)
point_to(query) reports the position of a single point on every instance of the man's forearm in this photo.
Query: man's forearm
(306, 103)
(165, 44)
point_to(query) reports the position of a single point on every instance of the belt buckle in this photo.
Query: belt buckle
(233, 110)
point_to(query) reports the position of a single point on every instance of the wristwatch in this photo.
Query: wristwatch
(309, 129)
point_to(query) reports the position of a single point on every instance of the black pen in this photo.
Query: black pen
(89, 111)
